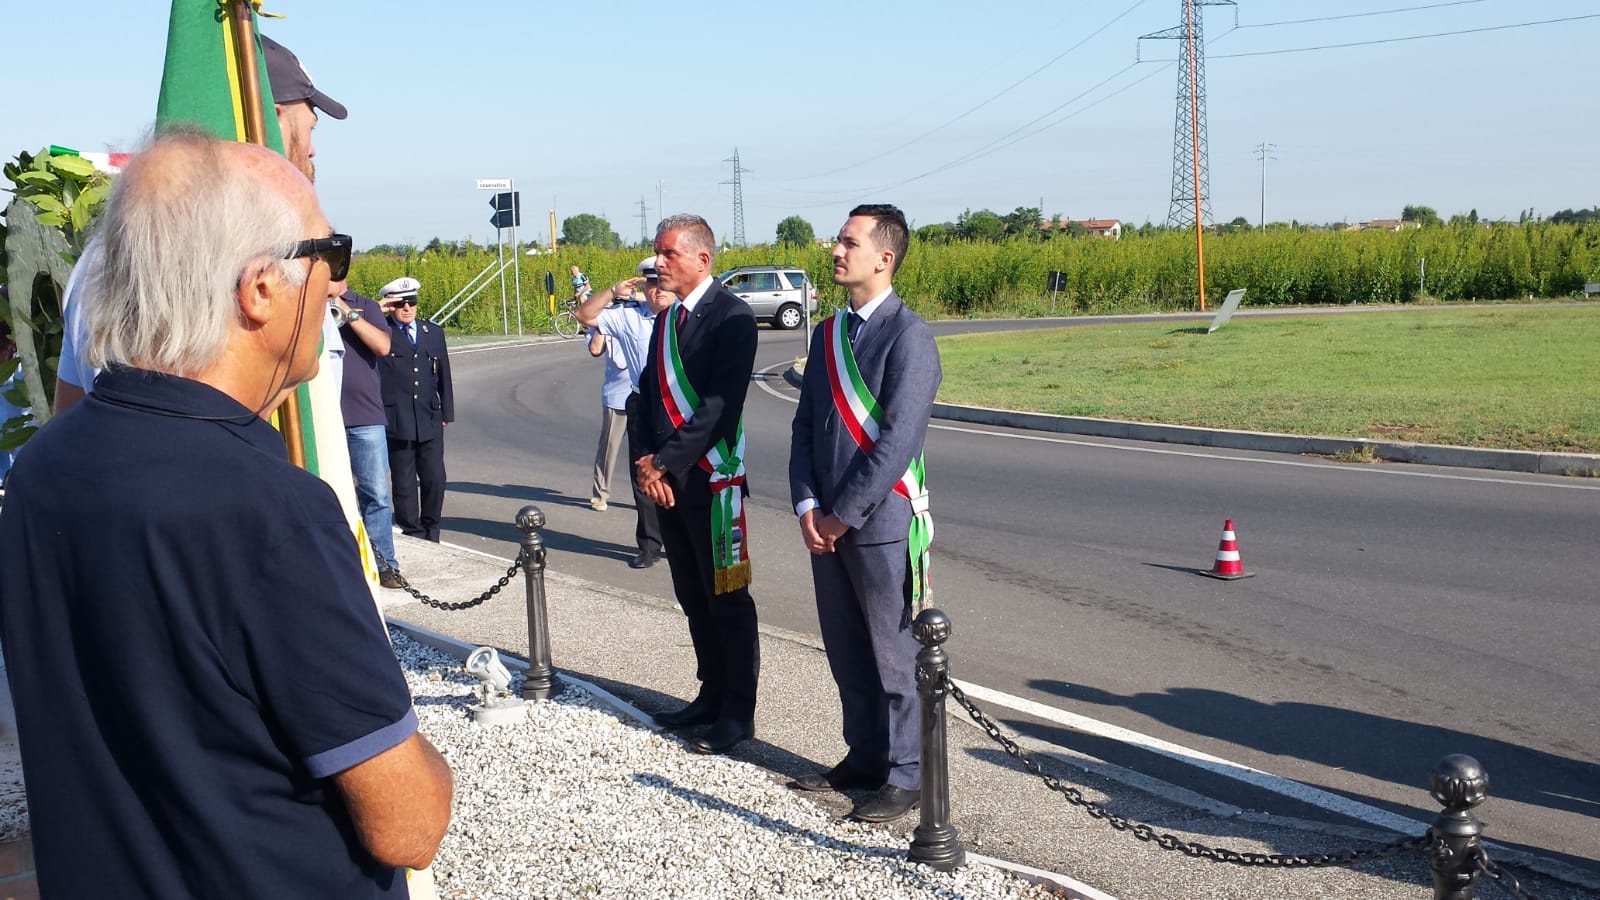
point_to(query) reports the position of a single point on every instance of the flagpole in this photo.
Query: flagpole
(255, 130)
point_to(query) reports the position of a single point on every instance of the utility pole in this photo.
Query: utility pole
(1264, 153)
(738, 198)
(660, 205)
(1190, 156)
(644, 218)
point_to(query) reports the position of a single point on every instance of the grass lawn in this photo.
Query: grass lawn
(1504, 377)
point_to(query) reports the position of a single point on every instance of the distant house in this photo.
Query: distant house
(1388, 225)
(1106, 228)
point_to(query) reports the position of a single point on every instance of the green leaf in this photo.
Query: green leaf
(73, 165)
(15, 436)
(37, 178)
(47, 203)
(80, 216)
(51, 218)
(94, 195)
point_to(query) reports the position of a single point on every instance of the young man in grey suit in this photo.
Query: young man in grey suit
(856, 480)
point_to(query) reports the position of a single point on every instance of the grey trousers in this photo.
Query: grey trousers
(613, 428)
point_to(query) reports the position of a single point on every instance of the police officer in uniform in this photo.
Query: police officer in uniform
(418, 403)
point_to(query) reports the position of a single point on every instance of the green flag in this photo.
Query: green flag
(200, 82)
(201, 85)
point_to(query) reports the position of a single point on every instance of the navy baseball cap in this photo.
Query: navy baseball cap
(291, 83)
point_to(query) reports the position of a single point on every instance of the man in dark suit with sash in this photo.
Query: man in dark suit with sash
(691, 407)
(857, 482)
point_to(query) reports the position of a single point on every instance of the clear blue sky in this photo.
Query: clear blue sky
(589, 105)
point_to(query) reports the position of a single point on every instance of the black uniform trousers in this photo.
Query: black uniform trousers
(647, 530)
(721, 626)
(417, 467)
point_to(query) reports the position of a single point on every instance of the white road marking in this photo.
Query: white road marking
(1213, 764)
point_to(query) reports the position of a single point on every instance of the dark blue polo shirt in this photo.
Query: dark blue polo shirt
(361, 397)
(193, 650)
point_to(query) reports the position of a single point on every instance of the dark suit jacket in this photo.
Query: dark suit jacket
(718, 348)
(417, 395)
(900, 365)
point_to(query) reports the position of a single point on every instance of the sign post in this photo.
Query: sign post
(1057, 283)
(507, 214)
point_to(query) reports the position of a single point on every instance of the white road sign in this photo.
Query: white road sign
(494, 184)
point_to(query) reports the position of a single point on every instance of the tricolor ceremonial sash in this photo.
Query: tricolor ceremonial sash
(863, 418)
(730, 557)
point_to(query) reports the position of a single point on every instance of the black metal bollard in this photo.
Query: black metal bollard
(934, 842)
(539, 683)
(1460, 783)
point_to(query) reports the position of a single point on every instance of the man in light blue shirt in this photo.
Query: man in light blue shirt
(622, 328)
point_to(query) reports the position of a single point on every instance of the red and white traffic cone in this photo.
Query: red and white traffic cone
(1229, 566)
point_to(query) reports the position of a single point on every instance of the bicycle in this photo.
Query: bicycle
(565, 323)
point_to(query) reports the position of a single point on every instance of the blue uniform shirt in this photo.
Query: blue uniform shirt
(192, 650)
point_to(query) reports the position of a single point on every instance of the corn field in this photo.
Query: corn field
(1136, 274)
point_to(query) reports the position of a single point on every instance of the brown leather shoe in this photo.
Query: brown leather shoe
(889, 804)
(390, 578)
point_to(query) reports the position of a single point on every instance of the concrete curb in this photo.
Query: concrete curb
(1582, 464)
(1059, 885)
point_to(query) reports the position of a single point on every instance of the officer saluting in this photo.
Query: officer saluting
(417, 402)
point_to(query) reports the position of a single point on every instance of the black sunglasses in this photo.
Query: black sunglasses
(408, 301)
(333, 250)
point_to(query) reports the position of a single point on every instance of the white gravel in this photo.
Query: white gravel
(572, 801)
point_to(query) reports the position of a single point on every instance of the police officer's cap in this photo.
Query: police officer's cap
(400, 287)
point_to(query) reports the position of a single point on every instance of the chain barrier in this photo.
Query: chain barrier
(522, 558)
(1502, 879)
(1189, 848)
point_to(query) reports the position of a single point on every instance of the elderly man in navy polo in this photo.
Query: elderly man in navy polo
(206, 705)
(418, 402)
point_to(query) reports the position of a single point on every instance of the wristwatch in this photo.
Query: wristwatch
(349, 317)
(657, 464)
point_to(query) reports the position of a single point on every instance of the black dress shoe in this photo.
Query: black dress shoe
(643, 560)
(842, 777)
(722, 736)
(700, 712)
(889, 804)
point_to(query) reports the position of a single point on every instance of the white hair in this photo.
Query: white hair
(164, 294)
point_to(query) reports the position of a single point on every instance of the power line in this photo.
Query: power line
(1413, 37)
(1003, 91)
(1379, 12)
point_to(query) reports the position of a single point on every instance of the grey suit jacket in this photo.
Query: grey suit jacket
(899, 363)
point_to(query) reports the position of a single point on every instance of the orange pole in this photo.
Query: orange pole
(255, 131)
(1194, 121)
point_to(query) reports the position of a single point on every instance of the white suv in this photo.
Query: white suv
(782, 294)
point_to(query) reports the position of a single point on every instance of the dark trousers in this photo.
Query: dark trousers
(722, 626)
(417, 467)
(866, 628)
(647, 531)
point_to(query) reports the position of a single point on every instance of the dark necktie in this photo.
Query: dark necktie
(683, 315)
(853, 330)
(411, 332)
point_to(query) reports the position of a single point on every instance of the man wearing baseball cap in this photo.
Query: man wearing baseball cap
(418, 402)
(625, 325)
(296, 100)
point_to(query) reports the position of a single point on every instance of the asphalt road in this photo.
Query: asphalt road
(1398, 613)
